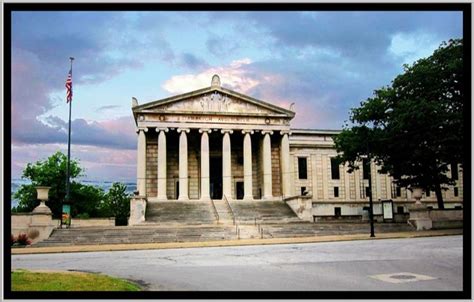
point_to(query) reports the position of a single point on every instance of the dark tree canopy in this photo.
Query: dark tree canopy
(413, 128)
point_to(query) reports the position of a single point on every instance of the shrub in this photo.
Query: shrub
(13, 240)
(82, 216)
(22, 239)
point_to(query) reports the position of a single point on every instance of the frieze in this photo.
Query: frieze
(216, 119)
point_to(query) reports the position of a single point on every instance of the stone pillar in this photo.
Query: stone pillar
(267, 165)
(248, 186)
(285, 164)
(161, 166)
(183, 164)
(141, 161)
(226, 164)
(205, 194)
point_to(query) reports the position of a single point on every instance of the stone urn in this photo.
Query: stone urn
(43, 196)
(417, 193)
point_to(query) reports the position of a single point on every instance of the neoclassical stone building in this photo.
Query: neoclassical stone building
(215, 143)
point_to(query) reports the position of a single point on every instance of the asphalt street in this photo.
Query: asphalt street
(431, 264)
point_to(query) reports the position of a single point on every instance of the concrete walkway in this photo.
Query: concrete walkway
(241, 242)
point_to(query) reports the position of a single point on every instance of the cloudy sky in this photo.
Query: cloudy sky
(325, 62)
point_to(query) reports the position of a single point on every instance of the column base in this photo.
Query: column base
(162, 198)
(268, 197)
(183, 198)
(248, 198)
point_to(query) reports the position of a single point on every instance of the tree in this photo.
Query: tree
(414, 127)
(117, 203)
(52, 173)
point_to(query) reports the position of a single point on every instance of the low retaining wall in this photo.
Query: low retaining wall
(446, 219)
(38, 226)
(92, 222)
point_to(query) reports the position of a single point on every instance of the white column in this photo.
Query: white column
(248, 194)
(267, 165)
(141, 161)
(161, 163)
(183, 164)
(285, 164)
(205, 194)
(226, 165)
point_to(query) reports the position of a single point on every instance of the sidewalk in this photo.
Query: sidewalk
(241, 242)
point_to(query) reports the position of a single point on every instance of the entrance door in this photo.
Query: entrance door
(239, 189)
(215, 167)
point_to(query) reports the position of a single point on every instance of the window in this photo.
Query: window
(336, 191)
(400, 210)
(428, 193)
(366, 168)
(454, 171)
(367, 191)
(303, 190)
(456, 191)
(334, 169)
(337, 212)
(302, 168)
(399, 192)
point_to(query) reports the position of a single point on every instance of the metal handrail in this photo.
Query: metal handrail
(215, 210)
(230, 209)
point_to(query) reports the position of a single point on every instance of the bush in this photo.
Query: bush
(22, 239)
(83, 216)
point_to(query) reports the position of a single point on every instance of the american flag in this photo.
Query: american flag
(69, 86)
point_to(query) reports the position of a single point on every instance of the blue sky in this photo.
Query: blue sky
(325, 62)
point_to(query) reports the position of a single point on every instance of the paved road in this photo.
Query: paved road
(316, 266)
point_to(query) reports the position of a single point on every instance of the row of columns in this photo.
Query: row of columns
(226, 164)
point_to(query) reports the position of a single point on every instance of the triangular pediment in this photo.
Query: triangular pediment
(215, 100)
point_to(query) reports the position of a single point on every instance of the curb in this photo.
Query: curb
(224, 243)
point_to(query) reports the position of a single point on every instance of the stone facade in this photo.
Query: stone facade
(214, 142)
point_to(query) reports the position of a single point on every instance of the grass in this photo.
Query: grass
(23, 280)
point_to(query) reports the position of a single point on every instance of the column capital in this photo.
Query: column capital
(230, 131)
(250, 131)
(183, 129)
(161, 129)
(283, 132)
(267, 132)
(144, 129)
(202, 130)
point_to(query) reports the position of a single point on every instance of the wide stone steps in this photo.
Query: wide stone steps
(263, 212)
(179, 212)
(148, 234)
(319, 229)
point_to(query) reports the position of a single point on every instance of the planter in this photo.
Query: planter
(417, 193)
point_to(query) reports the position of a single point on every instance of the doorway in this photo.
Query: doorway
(239, 189)
(215, 177)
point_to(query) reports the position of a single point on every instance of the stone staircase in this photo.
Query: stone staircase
(180, 213)
(307, 229)
(135, 234)
(224, 212)
(263, 212)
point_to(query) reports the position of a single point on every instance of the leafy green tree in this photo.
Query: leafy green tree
(414, 127)
(117, 203)
(52, 173)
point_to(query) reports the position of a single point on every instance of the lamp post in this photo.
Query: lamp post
(371, 204)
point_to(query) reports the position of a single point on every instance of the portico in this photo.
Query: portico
(212, 143)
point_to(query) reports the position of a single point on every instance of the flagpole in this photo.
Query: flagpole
(68, 184)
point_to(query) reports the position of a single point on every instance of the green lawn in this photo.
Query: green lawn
(23, 280)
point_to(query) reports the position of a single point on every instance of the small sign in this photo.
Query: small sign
(66, 215)
(387, 207)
